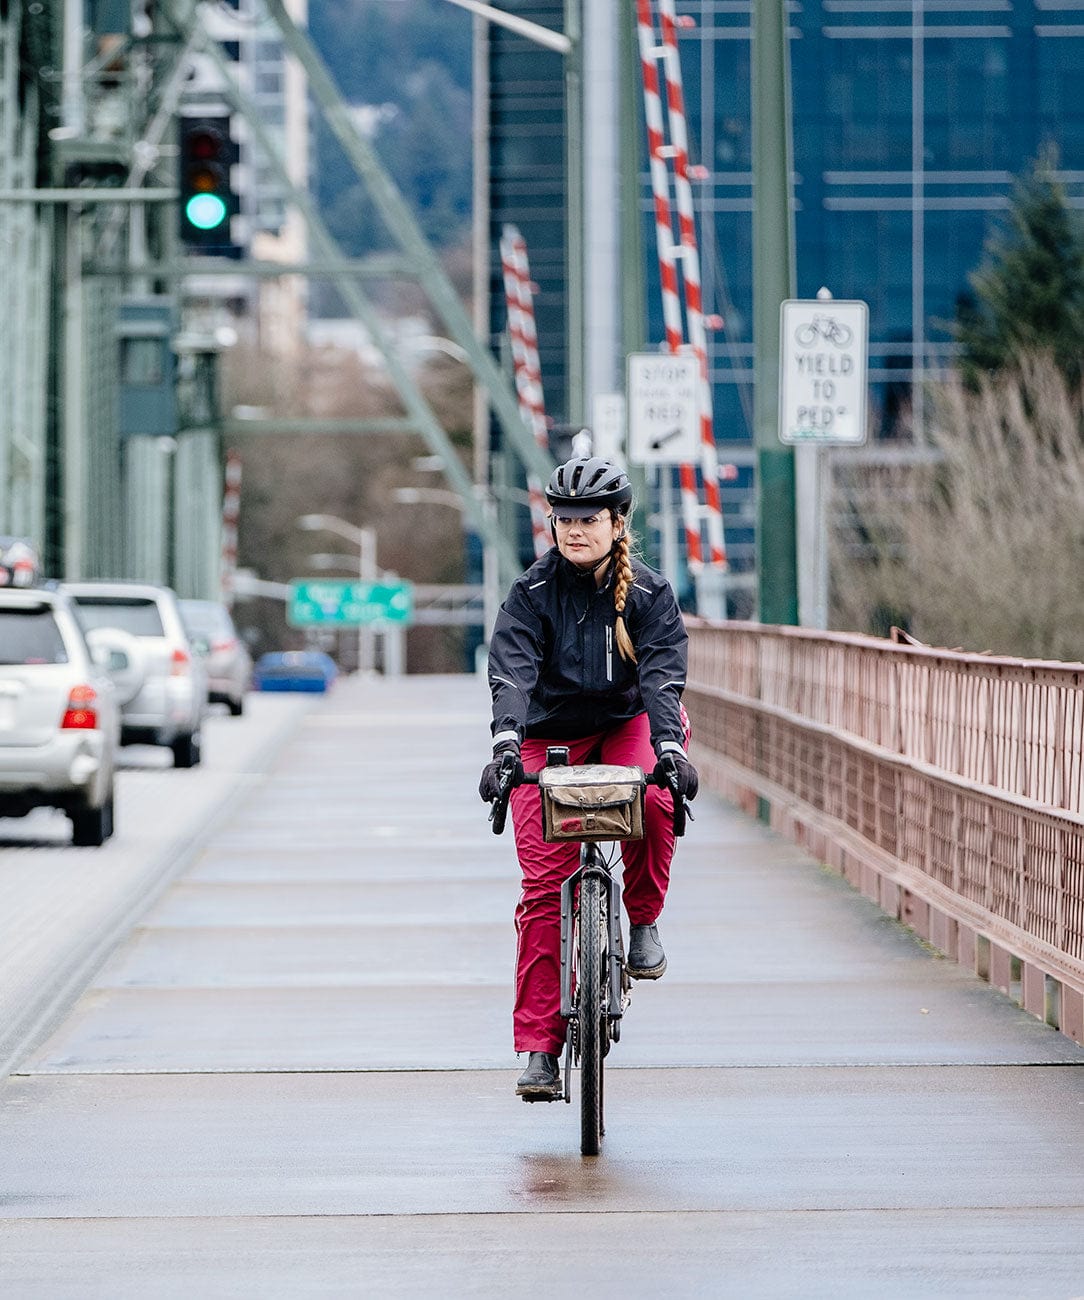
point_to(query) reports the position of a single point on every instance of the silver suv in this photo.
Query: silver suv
(166, 697)
(59, 715)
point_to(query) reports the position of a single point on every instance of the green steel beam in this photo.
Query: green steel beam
(773, 281)
(81, 195)
(271, 425)
(374, 268)
(402, 226)
(575, 313)
(418, 409)
(633, 289)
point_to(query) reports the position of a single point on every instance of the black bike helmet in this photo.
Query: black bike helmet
(586, 484)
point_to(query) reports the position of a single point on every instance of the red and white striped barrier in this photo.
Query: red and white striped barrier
(519, 298)
(652, 56)
(231, 513)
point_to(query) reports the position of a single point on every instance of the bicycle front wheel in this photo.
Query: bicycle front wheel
(589, 978)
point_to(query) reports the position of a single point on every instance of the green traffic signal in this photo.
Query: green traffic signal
(205, 211)
(206, 155)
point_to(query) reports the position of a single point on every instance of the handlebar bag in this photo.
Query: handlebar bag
(592, 803)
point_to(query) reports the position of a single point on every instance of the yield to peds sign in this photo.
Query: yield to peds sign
(823, 371)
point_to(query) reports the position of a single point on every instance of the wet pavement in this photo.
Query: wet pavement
(294, 1077)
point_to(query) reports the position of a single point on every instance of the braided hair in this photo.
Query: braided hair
(622, 583)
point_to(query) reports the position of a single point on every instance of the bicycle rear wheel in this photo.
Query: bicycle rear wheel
(589, 978)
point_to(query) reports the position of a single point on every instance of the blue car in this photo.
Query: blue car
(294, 670)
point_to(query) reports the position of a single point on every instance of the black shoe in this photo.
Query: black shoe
(647, 961)
(541, 1080)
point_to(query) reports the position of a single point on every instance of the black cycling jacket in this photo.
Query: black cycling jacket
(554, 668)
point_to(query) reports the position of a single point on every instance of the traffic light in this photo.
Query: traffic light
(208, 202)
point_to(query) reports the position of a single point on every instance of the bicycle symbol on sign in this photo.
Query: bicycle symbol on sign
(824, 327)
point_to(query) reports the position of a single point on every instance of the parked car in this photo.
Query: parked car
(294, 670)
(59, 713)
(225, 656)
(167, 690)
(20, 565)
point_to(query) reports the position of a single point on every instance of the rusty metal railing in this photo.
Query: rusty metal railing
(947, 786)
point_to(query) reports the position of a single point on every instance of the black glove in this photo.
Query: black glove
(489, 787)
(675, 768)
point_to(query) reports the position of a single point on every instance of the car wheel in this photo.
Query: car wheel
(91, 827)
(237, 706)
(186, 750)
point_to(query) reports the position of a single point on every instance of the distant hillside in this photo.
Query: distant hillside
(408, 63)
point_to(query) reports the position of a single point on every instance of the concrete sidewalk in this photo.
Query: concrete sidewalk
(295, 1078)
(63, 908)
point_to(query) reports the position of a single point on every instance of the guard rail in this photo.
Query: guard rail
(948, 787)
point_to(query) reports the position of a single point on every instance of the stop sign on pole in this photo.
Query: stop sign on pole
(663, 408)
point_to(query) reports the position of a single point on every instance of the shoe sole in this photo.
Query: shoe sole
(650, 973)
(539, 1092)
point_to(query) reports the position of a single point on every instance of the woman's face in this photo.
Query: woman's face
(585, 541)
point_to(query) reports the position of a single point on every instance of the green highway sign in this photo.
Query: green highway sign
(333, 602)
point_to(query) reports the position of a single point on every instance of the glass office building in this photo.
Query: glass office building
(911, 121)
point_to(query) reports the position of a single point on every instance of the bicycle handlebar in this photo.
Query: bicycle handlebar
(498, 814)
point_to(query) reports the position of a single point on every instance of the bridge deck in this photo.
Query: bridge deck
(295, 1076)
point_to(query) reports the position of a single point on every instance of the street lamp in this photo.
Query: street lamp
(415, 496)
(365, 540)
(437, 343)
(325, 560)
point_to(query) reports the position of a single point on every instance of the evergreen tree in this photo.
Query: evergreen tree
(1029, 290)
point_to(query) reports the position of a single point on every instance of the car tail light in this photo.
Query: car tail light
(179, 663)
(81, 715)
(218, 646)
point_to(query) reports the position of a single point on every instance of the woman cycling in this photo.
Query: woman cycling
(588, 651)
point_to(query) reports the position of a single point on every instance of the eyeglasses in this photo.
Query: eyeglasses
(592, 521)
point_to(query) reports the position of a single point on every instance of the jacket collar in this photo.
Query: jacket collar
(578, 578)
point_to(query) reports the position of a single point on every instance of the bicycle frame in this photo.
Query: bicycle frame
(591, 861)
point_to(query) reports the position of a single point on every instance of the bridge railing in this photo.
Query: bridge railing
(948, 787)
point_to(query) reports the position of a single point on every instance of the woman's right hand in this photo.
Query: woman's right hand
(489, 787)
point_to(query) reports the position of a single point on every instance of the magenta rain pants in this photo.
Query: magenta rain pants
(537, 1020)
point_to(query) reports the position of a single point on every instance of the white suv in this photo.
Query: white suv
(59, 715)
(167, 699)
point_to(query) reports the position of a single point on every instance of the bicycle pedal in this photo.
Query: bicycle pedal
(557, 1096)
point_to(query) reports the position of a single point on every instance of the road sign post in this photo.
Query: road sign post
(663, 408)
(823, 400)
(823, 371)
(663, 404)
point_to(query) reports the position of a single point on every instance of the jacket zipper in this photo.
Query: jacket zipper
(609, 653)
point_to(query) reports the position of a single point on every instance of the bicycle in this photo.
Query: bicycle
(595, 983)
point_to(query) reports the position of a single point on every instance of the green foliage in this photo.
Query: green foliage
(410, 59)
(1029, 290)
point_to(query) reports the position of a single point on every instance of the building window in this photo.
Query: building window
(967, 103)
(867, 104)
